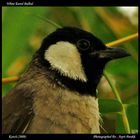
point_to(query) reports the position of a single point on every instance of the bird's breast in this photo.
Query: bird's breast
(59, 110)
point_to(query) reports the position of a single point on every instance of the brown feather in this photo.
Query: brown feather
(17, 110)
(38, 105)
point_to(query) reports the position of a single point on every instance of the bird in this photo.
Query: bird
(57, 91)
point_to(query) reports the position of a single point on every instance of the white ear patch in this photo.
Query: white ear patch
(64, 57)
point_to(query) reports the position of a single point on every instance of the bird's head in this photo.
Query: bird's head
(76, 57)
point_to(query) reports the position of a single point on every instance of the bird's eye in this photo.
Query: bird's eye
(83, 44)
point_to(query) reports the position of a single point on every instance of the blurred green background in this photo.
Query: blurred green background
(23, 31)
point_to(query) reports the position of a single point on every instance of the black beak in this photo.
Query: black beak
(111, 53)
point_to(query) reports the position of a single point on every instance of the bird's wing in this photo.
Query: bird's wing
(17, 111)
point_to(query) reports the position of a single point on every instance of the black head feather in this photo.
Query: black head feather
(94, 56)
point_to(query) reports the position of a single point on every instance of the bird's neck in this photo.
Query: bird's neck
(84, 88)
(88, 87)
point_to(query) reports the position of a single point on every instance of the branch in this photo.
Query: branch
(122, 40)
(10, 79)
(111, 44)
